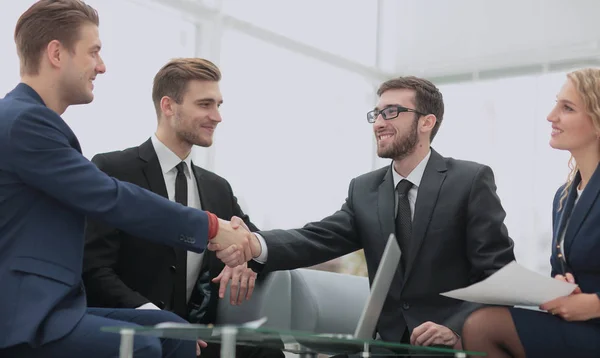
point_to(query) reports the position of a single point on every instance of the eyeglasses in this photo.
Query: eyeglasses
(389, 112)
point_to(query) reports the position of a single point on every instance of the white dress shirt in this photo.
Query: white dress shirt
(168, 163)
(414, 177)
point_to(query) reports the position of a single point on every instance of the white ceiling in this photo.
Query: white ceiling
(440, 38)
(445, 40)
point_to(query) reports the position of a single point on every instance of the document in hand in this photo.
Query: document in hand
(514, 285)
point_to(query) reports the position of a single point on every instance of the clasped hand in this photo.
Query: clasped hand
(234, 243)
(430, 333)
(577, 306)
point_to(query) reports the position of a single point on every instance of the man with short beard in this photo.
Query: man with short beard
(121, 270)
(444, 212)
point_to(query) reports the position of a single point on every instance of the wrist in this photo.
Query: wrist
(213, 225)
(597, 301)
(458, 344)
(255, 246)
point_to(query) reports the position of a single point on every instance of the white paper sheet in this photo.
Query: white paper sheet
(514, 285)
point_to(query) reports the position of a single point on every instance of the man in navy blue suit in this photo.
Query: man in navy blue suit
(47, 188)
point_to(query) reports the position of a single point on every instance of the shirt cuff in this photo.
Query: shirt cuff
(262, 258)
(148, 306)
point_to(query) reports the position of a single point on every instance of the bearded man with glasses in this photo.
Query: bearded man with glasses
(445, 213)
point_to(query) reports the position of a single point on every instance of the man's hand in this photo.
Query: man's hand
(568, 278)
(232, 245)
(237, 222)
(575, 307)
(200, 344)
(430, 333)
(243, 280)
(255, 247)
(232, 255)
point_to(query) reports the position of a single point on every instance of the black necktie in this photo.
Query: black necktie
(180, 286)
(403, 220)
(181, 189)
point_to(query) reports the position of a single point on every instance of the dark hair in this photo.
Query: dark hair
(172, 79)
(428, 98)
(49, 20)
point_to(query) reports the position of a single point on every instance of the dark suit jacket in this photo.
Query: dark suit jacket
(47, 188)
(582, 238)
(563, 338)
(458, 238)
(124, 271)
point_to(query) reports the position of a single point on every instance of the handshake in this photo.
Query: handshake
(234, 243)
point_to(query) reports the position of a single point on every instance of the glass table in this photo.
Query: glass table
(308, 344)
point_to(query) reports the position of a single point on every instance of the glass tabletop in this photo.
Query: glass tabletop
(308, 342)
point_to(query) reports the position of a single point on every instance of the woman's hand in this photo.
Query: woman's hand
(575, 307)
(570, 279)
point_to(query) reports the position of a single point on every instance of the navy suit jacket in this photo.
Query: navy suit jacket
(47, 188)
(582, 238)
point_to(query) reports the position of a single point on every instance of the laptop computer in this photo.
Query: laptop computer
(379, 290)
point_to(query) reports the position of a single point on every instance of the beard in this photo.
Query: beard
(75, 92)
(187, 134)
(403, 146)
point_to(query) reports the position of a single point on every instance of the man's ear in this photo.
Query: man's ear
(166, 106)
(427, 123)
(54, 53)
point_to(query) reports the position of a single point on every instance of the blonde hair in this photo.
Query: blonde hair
(587, 83)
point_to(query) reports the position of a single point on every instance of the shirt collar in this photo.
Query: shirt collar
(416, 175)
(167, 159)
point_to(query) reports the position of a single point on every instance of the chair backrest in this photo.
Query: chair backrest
(271, 298)
(303, 300)
(327, 302)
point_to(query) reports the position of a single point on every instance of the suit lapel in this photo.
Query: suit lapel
(580, 211)
(152, 170)
(203, 189)
(565, 212)
(208, 203)
(427, 195)
(385, 204)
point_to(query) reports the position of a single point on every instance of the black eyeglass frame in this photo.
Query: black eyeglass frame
(372, 115)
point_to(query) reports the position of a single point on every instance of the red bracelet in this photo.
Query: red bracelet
(213, 225)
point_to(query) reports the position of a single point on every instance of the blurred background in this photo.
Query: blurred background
(299, 77)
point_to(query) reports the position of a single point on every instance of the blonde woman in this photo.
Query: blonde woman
(567, 326)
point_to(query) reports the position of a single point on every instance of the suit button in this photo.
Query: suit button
(173, 268)
(405, 305)
(161, 305)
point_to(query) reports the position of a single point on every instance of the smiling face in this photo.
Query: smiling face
(81, 66)
(398, 137)
(572, 127)
(195, 119)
